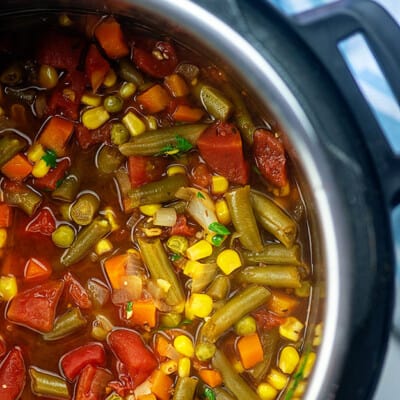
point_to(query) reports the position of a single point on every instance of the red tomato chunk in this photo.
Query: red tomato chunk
(12, 375)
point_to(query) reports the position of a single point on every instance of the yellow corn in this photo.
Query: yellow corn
(317, 335)
(8, 287)
(288, 359)
(222, 212)
(199, 305)
(309, 364)
(64, 20)
(238, 366)
(93, 118)
(48, 76)
(127, 90)
(152, 232)
(191, 267)
(228, 260)
(282, 192)
(277, 379)
(199, 250)
(169, 367)
(163, 284)
(69, 94)
(3, 237)
(90, 99)
(300, 389)
(184, 367)
(110, 79)
(151, 122)
(149, 209)
(291, 329)
(184, 345)
(103, 246)
(110, 216)
(40, 169)
(175, 170)
(133, 123)
(219, 184)
(35, 152)
(177, 244)
(266, 391)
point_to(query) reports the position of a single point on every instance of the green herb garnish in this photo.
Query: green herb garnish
(217, 240)
(181, 145)
(50, 158)
(129, 306)
(209, 394)
(297, 377)
(175, 257)
(200, 195)
(219, 229)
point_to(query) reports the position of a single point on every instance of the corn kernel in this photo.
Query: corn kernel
(317, 335)
(184, 345)
(228, 261)
(199, 305)
(8, 287)
(309, 364)
(93, 118)
(191, 267)
(291, 329)
(133, 123)
(219, 184)
(3, 237)
(169, 367)
(152, 232)
(288, 359)
(110, 217)
(64, 20)
(184, 367)
(266, 391)
(151, 122)
(222, 212)
(200, 249)
(69, 94)
(48, 76)
(175, 170)
(149, 209)
(238, 366)
(90, 99)
(110, 79)
(40, 169)
(277, 379)
(35, 152)
(300, 389)
(103, 246)
(127, 90)
(163, 284)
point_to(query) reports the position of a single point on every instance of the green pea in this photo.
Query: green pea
(119, 134)
(113, 104)
(63, 236)
(245, 326)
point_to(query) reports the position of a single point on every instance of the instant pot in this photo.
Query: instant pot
(348, 173)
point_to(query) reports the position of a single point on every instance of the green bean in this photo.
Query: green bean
(85, 240)
(10, 145)
(219, 288)
(156, 260)
(68, 189)
(232, 380)
(170, 320)
(119, 133)
(162, 140)
(128, 72)
(221, 394)
(214, 101)
(66, 324)
(109, 159)
(23, 197)
(179, 206)
(274, 253)
(157, 192)
(47, 384)
(273, 219)
(243, 218)
(185, 388)
(232, 311)
(277, 276)
(241, 113)
(83, 210)
(113, 103)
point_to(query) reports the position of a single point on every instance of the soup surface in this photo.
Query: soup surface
(153, 238)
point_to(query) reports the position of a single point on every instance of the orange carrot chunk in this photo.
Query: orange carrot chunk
(154, 99)
(111, 38)
(176, 85)
(211, 377)
(56, 134)
(5, 215)
(144, 313)
(185, 113)
(250, 350)
(18, 168)
(115, 268)
(161, 384)
(36, 270)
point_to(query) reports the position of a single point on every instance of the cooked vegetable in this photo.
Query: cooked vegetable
(111, 38)
(21, 196)
(10, 145)
(274, 253)
(185, 388)
(128, 72)
(109, 159)
(278, 276)
(55, 134)
(44, 383)
(68, 189)
(84, 209)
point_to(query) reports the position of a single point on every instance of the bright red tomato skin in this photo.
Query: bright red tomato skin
(92, 383)
(44, 223)
(12, 375)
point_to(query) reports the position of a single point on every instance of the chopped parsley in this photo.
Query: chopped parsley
(297, 377)
(217, 240)
(175, 257)
(209, 394)
(50, 158)
(200, 195)
(219, 228)
(181, 145)
(129, 309)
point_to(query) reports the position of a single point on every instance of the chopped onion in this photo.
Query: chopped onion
(98, 292)
(132, 290)
(165, 217)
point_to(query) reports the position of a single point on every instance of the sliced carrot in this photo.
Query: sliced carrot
(176, 85)
(6, 214)
(36, 270)
(115, 268)
(18, 168)
(250, 350)
(144, 313)
(211, 377)
(161, 384)
(161, 345)
(96, 67)
(154, 99)
(111, 38)
(147, 397)
(282, 304)
(56, 134)
(184, 113)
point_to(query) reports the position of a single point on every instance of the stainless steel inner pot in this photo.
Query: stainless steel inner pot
(331, 255)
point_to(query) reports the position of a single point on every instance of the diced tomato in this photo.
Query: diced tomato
(44, 223)
(181, 227)
(12, 375)
(3, 346)
(77, 292)
(35, 308)
(129, 348)
(87, 138)
(269, 154)
(92, 383)
(145, 169)
(73, 362)
(37, 270)
(200, 175)
(221, 147)
(53, 177)
(96, 67)
(157, 68)
(267, 320)
(60, 50)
